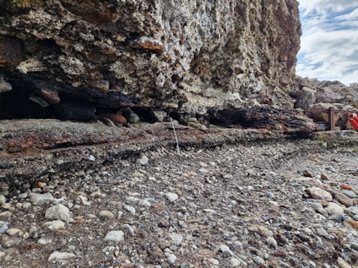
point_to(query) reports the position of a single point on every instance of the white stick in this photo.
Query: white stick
(176, 137)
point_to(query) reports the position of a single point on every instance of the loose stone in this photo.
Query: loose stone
(171, 197)
(318, 193)
(40, 199)
(105, 214)
(60, 256)
(116, 236)
(58, 212)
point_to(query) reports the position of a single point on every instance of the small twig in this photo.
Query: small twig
(176, 136)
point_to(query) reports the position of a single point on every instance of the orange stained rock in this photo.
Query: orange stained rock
(353, 223)
(39, 184)
(346, 187)
(117, 118)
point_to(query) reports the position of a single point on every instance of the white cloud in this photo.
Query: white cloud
(329, 45)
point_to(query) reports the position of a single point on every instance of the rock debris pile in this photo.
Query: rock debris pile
(256, 205)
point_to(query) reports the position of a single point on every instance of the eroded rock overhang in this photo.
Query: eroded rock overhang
(77, 59)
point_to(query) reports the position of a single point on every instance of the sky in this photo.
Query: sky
(329, 43)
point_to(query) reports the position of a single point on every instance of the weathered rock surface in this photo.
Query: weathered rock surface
(58, 56)
(316, 97)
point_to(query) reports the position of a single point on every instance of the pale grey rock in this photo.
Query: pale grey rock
(334, 209)
(2, 199)
(171, 197)
(236, 262)
(176, 238)
(171, 258)
(320, 194)
(271, 241)
(14, 231)
(350, 194)
(40, 199)
(128, 228)
(226, 250)
(130, 209)
(54, 225)
(116, 236)
(105, 214)
(60, 256)
(258, 260)
(144, 203)
(58, 212)
(3, 227)
(143, 160)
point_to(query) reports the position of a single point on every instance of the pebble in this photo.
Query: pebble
(116, 236)
(226, 250)
(54, 225)
(171, 197)
(171, 258)
(262, 230)
(319, 208)
(337, 217)
(130, 209)
(318, 193)
(343, 199)
(354, 246)
(258, 260)
(176, 238)
(40, 199)
(44, 241)
(334, 209)
(106, 214)
(2, 199)
(58, 212)
(128, 228)
(272, 242)
(350, 194)
(60, 256)
(308, 174)
(26, 205)
(343, 264)
(14, 231)
(3, 227)
(324, 177)
(143, 160)
(235, 262)
(144, 203)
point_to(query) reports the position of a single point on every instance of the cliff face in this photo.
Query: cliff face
(175, 55)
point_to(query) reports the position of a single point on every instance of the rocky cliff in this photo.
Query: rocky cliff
(75, 59)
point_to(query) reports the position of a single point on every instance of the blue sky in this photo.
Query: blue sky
(329, 44)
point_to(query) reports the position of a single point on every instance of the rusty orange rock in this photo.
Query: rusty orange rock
(353, 223)
(117, 118)
(39, 184)
(346, 187)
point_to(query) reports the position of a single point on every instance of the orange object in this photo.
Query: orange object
(346, 187)
(354, 122)
(353, 223)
